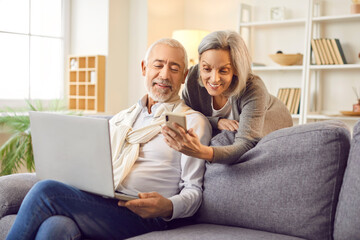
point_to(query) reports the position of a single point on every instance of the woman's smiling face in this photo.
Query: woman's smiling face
(216, 71)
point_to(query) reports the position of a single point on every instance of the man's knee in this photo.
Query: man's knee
(58, 227)
(45, 186)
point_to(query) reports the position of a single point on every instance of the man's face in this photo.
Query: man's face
(164, 72)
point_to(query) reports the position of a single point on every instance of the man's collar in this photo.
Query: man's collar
(143, 101)
(168, 105)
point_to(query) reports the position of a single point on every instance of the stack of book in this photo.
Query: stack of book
(291, 98)
(327, 51)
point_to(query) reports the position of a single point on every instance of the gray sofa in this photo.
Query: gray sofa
(301, 182)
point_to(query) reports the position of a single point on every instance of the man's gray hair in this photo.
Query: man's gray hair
(240, 57)
(169, 42)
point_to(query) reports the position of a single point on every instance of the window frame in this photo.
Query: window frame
(65, 37)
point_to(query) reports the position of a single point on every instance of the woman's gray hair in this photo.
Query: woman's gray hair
(169, 42)
(239, 54)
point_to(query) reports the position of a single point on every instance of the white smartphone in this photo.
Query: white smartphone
(178, 118)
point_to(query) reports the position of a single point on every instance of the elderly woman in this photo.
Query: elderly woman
(223, 87)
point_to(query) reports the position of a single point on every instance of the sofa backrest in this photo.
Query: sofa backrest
(289, 183)
(347, 218)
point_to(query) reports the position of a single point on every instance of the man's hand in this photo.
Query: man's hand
(227, 124)
(150, 205)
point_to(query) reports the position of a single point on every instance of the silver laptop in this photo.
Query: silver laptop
(74, 150)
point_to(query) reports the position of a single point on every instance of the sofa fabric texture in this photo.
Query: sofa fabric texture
(347, 219)
(5, 225)
(212, 232)
(288, 184)
(13, 189)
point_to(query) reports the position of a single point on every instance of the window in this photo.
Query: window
(31, 50)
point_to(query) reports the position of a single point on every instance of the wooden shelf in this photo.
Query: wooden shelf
(87, 83)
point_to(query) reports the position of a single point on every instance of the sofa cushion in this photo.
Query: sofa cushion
(13, 189)
(288, 184)
(5, 225)
(347, 218)
(212, 232)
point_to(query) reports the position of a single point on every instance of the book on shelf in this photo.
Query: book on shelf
(291, 98)
(292, 106)
(286, 95)
(327, 51)
(280, 93)
(316, 52)
(322, 50)
(338, 51)
(297, 101)
(332, 52)
(321, 53)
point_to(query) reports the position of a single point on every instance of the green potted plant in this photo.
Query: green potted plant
(17, 150)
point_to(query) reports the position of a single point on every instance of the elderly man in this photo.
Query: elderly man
(168, 183)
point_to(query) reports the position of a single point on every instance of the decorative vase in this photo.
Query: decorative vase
(356, 107)
(355, 8)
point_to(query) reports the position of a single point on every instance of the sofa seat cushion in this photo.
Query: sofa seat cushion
(211, 231)
(347, 218)
(288, 184)
(13, 189)
(5, 225)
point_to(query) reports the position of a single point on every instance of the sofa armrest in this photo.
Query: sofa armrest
(13, 189)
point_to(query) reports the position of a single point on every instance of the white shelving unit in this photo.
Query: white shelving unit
(312, 20)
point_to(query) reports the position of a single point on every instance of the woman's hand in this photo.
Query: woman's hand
(227, 124)
(187, 143)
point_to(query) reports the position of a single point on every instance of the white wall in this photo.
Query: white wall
(116, 85)
(137, 47)
(89, 27)
(164, 17)
(114, 28)
(211, 15)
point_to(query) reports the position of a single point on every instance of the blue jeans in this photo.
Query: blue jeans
(52, 207)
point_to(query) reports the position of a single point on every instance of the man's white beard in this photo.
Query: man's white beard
(160, 95)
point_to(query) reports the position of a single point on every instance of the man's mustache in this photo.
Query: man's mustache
(162, 82)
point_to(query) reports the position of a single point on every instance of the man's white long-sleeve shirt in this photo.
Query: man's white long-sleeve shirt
(161, 169)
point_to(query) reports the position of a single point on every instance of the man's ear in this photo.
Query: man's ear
(143, 68)
(186, 73)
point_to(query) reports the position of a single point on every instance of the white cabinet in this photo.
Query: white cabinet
(325, 89)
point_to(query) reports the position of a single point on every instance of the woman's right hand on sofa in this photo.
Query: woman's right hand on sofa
(227, 124)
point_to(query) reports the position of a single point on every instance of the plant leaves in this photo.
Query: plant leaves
(17, 150)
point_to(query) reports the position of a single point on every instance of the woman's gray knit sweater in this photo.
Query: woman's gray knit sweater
(257, 111)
